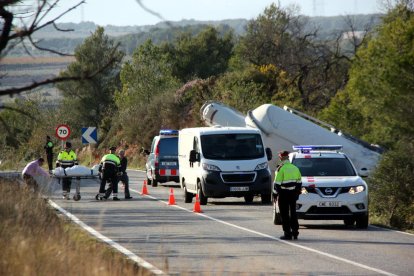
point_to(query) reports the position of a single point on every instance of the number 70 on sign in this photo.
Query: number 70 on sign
(62, 132)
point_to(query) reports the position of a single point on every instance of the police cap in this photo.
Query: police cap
(283, 153)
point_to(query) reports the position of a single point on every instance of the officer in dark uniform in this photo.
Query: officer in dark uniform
(288, 185)
(49, 152)
(109, 167)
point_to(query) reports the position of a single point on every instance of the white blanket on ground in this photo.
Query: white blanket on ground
(76, 171)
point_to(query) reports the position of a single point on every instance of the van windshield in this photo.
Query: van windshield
(238, 146)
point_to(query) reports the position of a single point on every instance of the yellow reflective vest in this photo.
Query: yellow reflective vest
(67, 159)
(288, 176)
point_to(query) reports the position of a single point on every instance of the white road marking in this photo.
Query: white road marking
(392, 230)
(141, 262)
(379, 271)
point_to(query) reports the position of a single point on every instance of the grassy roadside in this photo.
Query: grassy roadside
(35, 241)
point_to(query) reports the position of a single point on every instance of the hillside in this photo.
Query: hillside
(132, 36)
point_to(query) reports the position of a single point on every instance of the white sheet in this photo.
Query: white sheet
(77, 170)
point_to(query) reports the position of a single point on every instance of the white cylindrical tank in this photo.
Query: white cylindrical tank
(215, 113)
(282, 129)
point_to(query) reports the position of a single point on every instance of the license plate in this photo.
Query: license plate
(169, 163)
(239, 189)
(329, 204)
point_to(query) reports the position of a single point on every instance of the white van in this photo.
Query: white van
(220, 162)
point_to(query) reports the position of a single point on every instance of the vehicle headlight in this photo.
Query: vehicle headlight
(261, 166)
(303, 191)
(209, 167)
(356, 189)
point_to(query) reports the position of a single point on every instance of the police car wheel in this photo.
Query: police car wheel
(154, 183)
(362, 222)
(349, 221)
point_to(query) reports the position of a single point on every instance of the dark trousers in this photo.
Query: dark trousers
(113, 179)
(66, 183)
(50, 161)
(287, 207)
(125, 180)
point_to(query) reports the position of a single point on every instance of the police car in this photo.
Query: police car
(162, 160)
(332, 189)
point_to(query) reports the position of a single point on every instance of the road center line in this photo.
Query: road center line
(279, 240)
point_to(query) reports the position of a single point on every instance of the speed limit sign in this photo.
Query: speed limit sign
(62, 132)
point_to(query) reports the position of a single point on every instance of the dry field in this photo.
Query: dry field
(35, 241)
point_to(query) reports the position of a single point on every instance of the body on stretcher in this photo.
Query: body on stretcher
(76, 172)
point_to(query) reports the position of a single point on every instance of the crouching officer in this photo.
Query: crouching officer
(66, 159)
(109, 166)
(288, 185)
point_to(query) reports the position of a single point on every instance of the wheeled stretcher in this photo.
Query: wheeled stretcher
(77, 173)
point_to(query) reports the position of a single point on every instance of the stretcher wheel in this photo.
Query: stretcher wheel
(76, 197)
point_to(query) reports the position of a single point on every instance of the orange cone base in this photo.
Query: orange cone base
(197, 207)
(171, 200)
(144, 188)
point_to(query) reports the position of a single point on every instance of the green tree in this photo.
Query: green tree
(204, 55)
(377, 105)
(279, 38)
(87, 102)
(391, 188)
(146, 78)
(377, 102)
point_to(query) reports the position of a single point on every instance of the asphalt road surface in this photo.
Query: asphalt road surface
(231, 237)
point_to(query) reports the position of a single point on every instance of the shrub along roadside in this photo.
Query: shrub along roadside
(34, 241)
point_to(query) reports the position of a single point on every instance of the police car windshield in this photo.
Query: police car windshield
(169, 146)
(240, 146)
(324, 166)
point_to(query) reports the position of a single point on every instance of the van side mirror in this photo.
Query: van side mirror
(363, 172)
(194, 156)
(269, 154)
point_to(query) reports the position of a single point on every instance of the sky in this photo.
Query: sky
(129, 12)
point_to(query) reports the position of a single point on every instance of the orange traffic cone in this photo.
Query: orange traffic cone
(197, 207)
(171, 200)
(144, 188)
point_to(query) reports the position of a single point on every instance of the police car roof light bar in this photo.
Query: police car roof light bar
(168, 132)
(308, 148)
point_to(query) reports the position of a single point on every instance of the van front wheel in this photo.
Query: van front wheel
(188, 197)
(248, 198)
(201, 196)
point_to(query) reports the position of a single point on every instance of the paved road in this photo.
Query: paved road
(231, 237)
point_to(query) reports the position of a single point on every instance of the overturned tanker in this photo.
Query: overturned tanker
(282, 128)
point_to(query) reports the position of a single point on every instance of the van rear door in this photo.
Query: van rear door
(168, 157)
